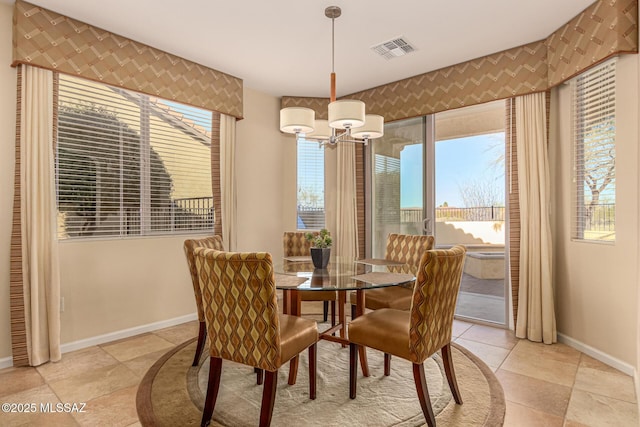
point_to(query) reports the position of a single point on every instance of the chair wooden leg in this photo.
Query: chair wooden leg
(362, 351)
(268, 398)
(342, 318)
(259, 375)
(423, 394)
(215, 369)
(333, 313)
(450, 372)
(293, 370)
(286, 302)
(202, 337)
(353, 312)
(353, 370)
(387, 364)
(325, 311)
(313, 352)
(360, 309)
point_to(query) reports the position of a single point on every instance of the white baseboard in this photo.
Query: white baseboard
(7, 362)
(126, 333)
(599, 355)
(636, 381)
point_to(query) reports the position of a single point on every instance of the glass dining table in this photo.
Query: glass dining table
(295, 274)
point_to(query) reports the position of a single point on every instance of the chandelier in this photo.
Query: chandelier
(347, 119)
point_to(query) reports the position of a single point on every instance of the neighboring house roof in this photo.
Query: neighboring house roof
(165, 112)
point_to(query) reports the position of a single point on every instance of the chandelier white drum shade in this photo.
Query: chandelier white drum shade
(372, 128)
(321, 132)
(297, 120)
(345, 115)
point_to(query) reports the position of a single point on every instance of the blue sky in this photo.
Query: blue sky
(198, 115)
(457, 162)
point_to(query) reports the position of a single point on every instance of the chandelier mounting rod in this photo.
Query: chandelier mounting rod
(333, 12)
(346, 122)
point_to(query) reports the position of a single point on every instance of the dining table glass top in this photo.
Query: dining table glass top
(341, 274)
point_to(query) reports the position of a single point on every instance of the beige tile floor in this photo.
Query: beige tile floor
(544, 385)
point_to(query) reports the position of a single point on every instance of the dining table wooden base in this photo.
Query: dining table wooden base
(362, 350)
(292, 305)
(295, 276)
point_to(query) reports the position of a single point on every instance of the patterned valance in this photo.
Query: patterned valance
(506, 74)
(604, 29)
(49, 40)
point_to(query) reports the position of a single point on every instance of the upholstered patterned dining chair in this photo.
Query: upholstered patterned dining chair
(294, 243)
(405, 248)
(243, 324)
(416, 334)
(213, 242)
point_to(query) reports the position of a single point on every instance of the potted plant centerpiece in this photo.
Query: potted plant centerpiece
(320, 247)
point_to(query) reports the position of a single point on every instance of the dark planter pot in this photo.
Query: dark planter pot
(320, 257)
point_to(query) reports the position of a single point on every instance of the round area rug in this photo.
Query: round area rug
(172, 392)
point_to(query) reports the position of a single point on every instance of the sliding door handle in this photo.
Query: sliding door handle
(426, 226)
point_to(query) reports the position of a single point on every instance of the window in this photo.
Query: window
(129, 164)
(310, 185)
(594, 201)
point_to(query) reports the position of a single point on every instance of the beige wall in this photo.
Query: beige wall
(289, 180)
(266, 176)
(596, 284)
(7, 157)
(112, 285)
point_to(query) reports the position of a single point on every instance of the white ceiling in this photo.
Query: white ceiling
(283, 47)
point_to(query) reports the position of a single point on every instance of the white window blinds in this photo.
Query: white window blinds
(594, 199)
(129, 164)
(310, 185)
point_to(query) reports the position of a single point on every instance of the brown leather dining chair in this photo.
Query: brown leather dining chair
(416, 334)
(294, 243)
(405, 248)
(243, 324)
(213, 242)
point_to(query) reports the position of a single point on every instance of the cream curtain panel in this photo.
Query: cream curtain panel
(346, 222)
(39, 246)
(536, 315)
(228, 180)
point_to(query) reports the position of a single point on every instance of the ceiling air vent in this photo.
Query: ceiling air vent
(398, 46)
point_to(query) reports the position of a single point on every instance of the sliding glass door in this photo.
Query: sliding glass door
(397, 182)
(444, 175)
(470, 204)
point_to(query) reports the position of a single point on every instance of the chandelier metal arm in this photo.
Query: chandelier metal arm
(345, 136)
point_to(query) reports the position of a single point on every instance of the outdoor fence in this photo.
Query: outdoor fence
(481, 213)
(310, 217)
(197, 213)
(600, 217)
(193, 213)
